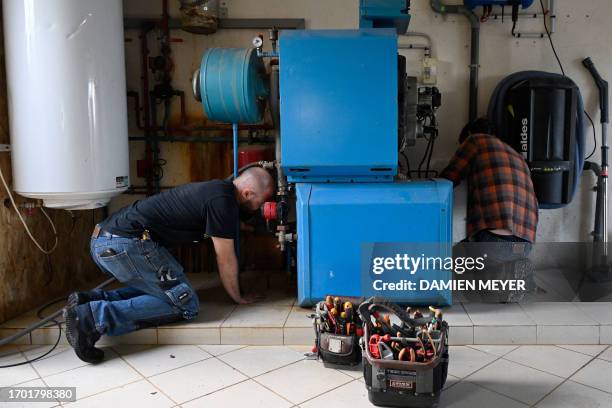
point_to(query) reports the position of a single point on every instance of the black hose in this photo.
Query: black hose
(41, 323)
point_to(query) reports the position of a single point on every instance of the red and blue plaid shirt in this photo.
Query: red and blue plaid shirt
(500, 191)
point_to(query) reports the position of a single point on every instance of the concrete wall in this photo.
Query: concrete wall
(583, 29)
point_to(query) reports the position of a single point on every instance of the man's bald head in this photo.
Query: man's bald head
(255, 186)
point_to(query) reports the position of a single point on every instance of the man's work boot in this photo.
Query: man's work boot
(81, 333)
(79, 298)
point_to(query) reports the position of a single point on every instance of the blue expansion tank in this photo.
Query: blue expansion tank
(232, 86)
(340, 225)
(339, 105)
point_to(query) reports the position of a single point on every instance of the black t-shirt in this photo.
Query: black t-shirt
(183, 215)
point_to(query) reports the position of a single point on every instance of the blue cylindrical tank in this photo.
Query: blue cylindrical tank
(232, 85)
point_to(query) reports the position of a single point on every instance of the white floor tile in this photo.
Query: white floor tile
(256, 360)
(451, 381)
(212, 314)
(515, 381)
(10, 351)
(488, 314)
(606, 355)
(49, 336)
(463, 361)
(569, 334)
(573, 395)
(92, 379)
(257, 336)
(14, 375)
(505, 334)
(496, 350)
(189, 336)
(466, 395)
(553, 360)
(601, 312)
(303, 380)
(355, 371)
(219, 349)
(137, 394)
(298, 317)
(298, 336)
(144, 336)
(593, 350)
(457, 316)
(29, 318)
(598, 374)
(605, 335)
(301, 348)
(351, 395)
(196, 380)
(61, 359)
(245, 394)
(557, 313)
(152, 360)
(257, 316)
(460, 335)
(33, 383)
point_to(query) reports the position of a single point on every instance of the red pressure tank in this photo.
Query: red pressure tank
(254, 153)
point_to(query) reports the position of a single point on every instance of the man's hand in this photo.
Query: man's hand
(228, 266)
(251, 298)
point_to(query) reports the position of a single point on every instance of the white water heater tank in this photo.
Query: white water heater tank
(65, 68)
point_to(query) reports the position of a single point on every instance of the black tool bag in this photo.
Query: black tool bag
(404, 384)
(395, 383)
(338, 349)
(333, 348)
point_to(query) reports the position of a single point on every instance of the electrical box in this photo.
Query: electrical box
(339, 105)
(336, 221)
(385, 14)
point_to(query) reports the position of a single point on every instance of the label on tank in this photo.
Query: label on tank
(121, 182)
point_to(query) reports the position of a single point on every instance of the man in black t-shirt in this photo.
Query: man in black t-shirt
(131, 245)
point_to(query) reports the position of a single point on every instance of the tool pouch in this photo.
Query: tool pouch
(333, 348)
(395, 383)
(338, 349)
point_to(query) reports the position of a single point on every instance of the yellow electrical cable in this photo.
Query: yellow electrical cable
(8, 190)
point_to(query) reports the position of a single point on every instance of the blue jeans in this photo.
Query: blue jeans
(157, 292)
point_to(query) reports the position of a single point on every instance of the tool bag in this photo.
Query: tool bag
(395, 383)
(334, 346)
(338, 349)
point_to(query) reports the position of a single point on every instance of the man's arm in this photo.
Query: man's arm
(228, 268)
(459, 166)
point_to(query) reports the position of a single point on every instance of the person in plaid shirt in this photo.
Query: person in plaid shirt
(502, 205)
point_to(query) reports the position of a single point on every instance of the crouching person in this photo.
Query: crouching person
(502, 208)
(131, 245)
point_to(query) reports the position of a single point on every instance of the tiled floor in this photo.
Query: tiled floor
(279, 321)
(279, 376)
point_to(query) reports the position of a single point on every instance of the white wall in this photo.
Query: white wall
(583, 29)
